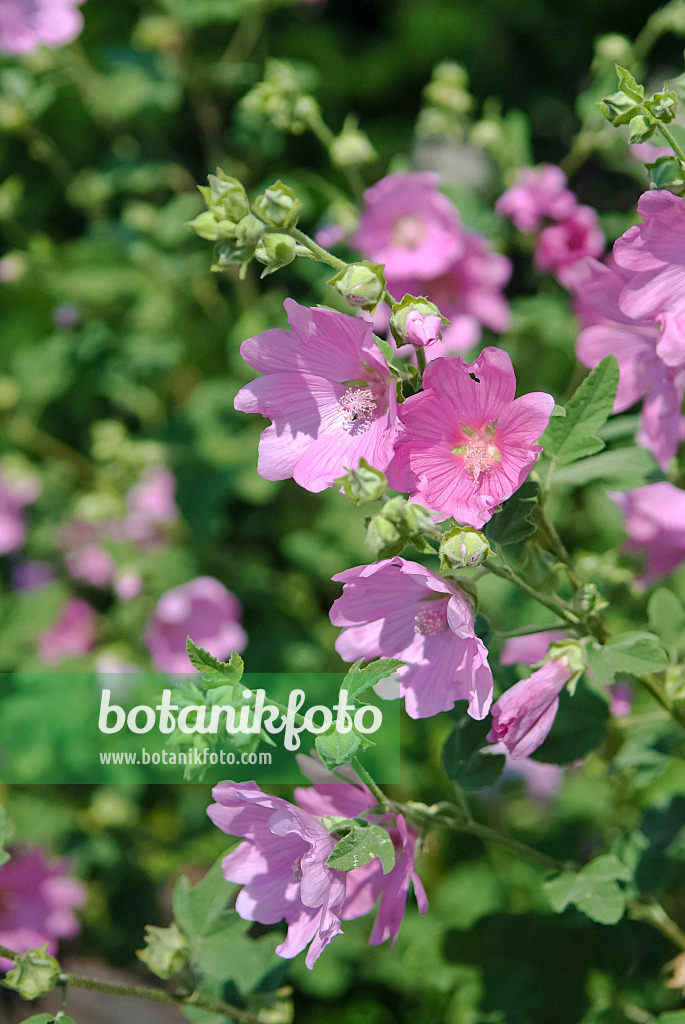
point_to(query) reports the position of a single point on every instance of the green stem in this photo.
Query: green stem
(677, 149)
(549, 601)
(361, 771)
(319, 253)
(528, 630)
(421, 358)
(325, 136)
(655, 687)
(556, 545)
(655, 915)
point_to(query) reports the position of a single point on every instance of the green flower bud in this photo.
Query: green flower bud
(463, 547)
(249, 230)
(230, 255)
(663, 105)
(363, 484)
(398, 523)
(383, 537)
(668, 172)
(587, 600)
(278, 206)
(207, 226)
(448, 88)
(622, 106)
(612, 49)
(573, 654)
(275, 251)
(165, 952)
(641, 128)
(35, 973)
(362, 284)
(352, 147)
(227, 194)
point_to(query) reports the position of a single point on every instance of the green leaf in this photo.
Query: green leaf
(672, 1017)
(47, 1018)
(666, 615)
(514, 523)
(336, 748)
(621, 469)
(462, 757)
(198, 907)
(579, 727)
(230, 671)
(594, 890)
(362, 844)
(363, 675)
(634, 653)
(574, 436)
(4, 855)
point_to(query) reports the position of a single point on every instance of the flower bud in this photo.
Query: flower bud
(278, 206)
(383, 537)
(205, 225)
(352, 147)
(462, 547)
(227, 194)
(363, 484)
(249, 230)
(362, 284)
(612, 49)
(35, 973)
(165, 951)
(663, 105)
(622, 106)
(416, 321)
(641, 128)
(398, 523)
(275, 251)
(448, 88)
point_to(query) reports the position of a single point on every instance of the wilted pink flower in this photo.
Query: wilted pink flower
(329, 393)
(400, 609)
(654, 252)
(561, 245)
(151, 505)
(467, 444)
(367, 885)
(539, 192)
(281, 866)
(27, 24)
(529, 649)
(72, 634)
(523, 716)
(202, 609)
(409, 226)
(654, 519)
(38, 898)
(15, 495)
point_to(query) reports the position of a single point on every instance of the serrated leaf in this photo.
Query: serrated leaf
(198, 907)
(621, 469)
(462, 757)
(574, 436)
(362, 844)
(634, 653)
(363, 675)
(336, 748)
(514, 523)
(230, 671)
(666, 615)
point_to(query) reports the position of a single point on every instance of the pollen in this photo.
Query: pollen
(479, 456)
(431, 620)
(358, 405)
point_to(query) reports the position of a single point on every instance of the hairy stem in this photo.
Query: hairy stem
(549, 601)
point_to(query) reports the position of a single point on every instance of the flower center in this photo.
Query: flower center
(431, 620)
(409, 232)
(479, 454)
(358, 405)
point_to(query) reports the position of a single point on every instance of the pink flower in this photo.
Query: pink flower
(38, 898)
(467, 444)
(329, 393)
(202, 609)
(92, 564)
(539, 192)
(525, 713)
(281, 866)
(27, 24)
(72, 634)
(14, 496)
(529, 649)
(654, 519)
(648, 153)
(367, 886)
(422, 330)
(151, 505)
(562, 245)
(399, 609)
(409, 226)
(32, 573)
(654, 252)
(542, 781)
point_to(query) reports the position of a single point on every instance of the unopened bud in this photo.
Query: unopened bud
(612, 49)
(398, 523)
(362, 284)
(463, 547)
(165, 951)
(383, 537)
(641, 129)
(205, 225)
(352, 147)
(663, 105)
(275, 251)
(249, 230)
(363, 484)
(226, 193)
(35, 973)
(416, 321)
(278, 206)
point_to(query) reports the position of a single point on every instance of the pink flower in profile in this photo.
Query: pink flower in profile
(38, 898)
(400, 609)
(202, 609)
(562, 245)
(409, 226)
(648, 153)
(27, 24)
(654, 519)
(15, 495)
(281, 866)
(539, 193)
(73, 633)
(467, 444)
(542, 781)
(367, 886)
(329, 393)
(523, 716)
(529, 649)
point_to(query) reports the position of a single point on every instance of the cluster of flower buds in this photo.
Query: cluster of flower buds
(400, 522)
(281, 98)
(416, 321)
(447, 102)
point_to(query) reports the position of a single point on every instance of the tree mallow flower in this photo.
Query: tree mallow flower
(281, 866)
(529, 649)
(72, 635)
(38, 898)
(27, 24)
(400, 609)
(538, 193)
(15, 495)
(205, 610)
(654, 519)
(329, 393)
(561, 245)
(467, 444)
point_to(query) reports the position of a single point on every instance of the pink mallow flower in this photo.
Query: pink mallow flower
(73, 633)
(523, 716)
(38, 898)
(150, 505)
(654, 253)
(467, 444)
(281, 866)
(560, 246)
(15, 495)
(202, 609)
(529, 649)
(409, 226)
(400, 609)
(367, 886)
(638, 346)
(654, 519)
(27, 24)
(539, 193)
(329, 393)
